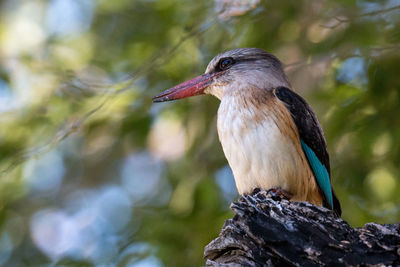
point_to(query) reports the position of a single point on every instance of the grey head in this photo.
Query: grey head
(245, 67)
(230, 71)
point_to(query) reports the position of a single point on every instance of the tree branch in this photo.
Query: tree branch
(276, 232)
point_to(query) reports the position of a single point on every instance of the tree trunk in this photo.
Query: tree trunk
(269, 231)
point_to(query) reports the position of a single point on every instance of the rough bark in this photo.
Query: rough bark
(269, 231)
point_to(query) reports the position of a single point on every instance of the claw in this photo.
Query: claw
(278, 193)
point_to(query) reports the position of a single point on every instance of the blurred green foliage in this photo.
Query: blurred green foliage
(93, 173)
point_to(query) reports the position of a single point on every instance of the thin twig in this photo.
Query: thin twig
(347, 20)
(378, 50)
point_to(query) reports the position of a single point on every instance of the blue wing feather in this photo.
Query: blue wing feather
(320, 172)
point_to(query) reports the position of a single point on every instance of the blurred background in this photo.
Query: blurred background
(93, 174)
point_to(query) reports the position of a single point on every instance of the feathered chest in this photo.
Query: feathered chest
(261, 143)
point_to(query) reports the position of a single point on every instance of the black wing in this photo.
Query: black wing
(310, 130)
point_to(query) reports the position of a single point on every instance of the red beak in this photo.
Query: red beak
(193, 87)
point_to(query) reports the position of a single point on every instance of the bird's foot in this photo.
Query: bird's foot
(277, 193)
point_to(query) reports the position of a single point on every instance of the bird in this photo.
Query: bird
(270, 136)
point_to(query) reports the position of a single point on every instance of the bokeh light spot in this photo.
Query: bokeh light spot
(316, 33)
(382, 144)
(45, 174)
(142, 176)
(66, 17)
(381, 183)
(226, 183)
(167, 138)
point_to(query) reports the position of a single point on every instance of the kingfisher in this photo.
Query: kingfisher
(270, 136)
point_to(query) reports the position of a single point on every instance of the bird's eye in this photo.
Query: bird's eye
(225, 63)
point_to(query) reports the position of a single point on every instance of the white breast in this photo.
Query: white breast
(259, 154)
